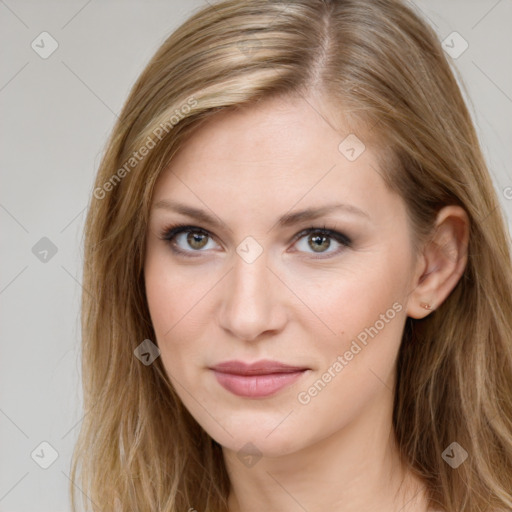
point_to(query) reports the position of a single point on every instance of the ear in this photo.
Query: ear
(441, 263)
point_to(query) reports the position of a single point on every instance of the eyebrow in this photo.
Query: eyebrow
(288, 219)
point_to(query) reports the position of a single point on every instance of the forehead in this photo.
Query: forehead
(276, 153)
(269, 133)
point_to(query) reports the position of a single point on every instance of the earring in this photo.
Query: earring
(425, 305)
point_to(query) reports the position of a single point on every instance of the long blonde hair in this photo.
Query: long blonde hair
(139, 448)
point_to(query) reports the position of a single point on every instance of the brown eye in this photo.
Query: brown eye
(322, 241)
(319, 243)
(188, 240)
(197, 240)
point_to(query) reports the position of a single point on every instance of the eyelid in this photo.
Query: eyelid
(332, 233)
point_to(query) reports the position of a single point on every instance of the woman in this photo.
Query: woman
(297, 274)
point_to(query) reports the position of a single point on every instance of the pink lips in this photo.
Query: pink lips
(257, 380)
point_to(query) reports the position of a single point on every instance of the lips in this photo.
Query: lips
(256, 380)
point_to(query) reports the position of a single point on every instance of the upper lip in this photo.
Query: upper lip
(262, 367)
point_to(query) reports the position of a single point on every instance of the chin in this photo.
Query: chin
(259, 433)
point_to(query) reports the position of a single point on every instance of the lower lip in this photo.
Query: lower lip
(256, 386)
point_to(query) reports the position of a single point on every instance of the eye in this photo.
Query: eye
(320, 240)
(186, 240)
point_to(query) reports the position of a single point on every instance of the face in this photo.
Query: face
(279, 304)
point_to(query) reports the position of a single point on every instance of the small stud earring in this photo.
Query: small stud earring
(425, 305)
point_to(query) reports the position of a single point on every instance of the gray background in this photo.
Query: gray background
(56, 114)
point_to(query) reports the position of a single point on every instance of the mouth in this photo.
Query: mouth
(256, 380)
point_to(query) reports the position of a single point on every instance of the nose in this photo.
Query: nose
(251, 304)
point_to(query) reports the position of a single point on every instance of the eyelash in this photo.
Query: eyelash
(170, 232)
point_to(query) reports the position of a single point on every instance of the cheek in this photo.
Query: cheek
(368, 323)
(357, 365)
(368, 288)
(171, 292)
(362, 312)
(177, 300)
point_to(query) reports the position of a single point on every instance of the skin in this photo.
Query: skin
(247, 168)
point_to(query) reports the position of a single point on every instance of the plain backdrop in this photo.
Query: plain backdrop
(56, 114)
